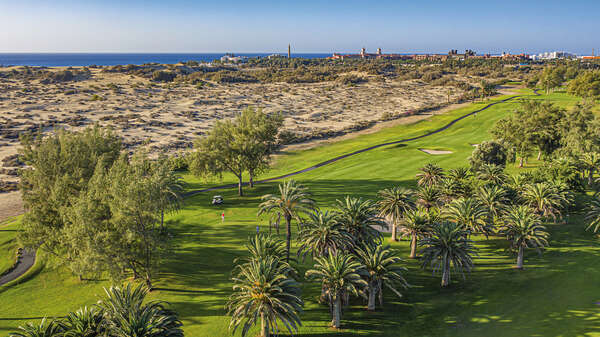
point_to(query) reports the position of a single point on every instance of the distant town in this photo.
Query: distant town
(452, 54)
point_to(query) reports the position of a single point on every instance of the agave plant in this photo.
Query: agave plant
(293, 199)
(85, 322)
(264, 291)
(393, 203)
(448, 249)
(321, 233)
(430, 175)
(46, 328)
(523, 229)
(340, 277)
(126, 314)
(380, 266)
(359, 218)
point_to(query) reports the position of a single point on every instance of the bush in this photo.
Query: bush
(488, 152)
(163, 76)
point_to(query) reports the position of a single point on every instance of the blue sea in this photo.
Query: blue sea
(109, 59)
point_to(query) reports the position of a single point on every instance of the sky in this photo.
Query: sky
(399, 26)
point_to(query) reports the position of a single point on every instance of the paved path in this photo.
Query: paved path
(25, 261)
(333, 160)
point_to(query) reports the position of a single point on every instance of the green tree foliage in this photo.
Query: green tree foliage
(469, 214)
(339, 275)
(322, 233)
(593, 214)
(488, 152)
(524, 230)
(545, 199)
(60, 167)
(581, 132)
(265, 292)
(551, 78)
(430, 175)
(292, 201)
(360, 218)
(237, 146)
(448, 249)
(381, 269)
(394, 203)
(416, 225)
(586, 85)
(46, 328)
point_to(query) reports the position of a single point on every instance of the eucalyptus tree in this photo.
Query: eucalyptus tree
(381, 269)
(430, 175)
(416, 225)
(447, 249)
(360, 217)
(394, 203)
(292, 201)
(340, 276)
(321, 233)
(264, 291)
(524, 230)
(127, 314)
(469, 214)
(593, 214)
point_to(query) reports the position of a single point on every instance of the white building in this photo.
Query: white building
(553, 55)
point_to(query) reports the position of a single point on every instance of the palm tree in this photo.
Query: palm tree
(524, 230)
(593, 214)
(544, 199)
(126, 314)
(85, 322)
(491, 173)
(44, 329)
(339, 275)
(429, 196)
(293, 199)
(469, 214)
(430, 175)
(416, 225)
(170, 193)
(448, 248)
(493, 199)
(591, 163)
(263, 290)
(381, 269)
(459, 173)
(261, 246)
(393, 203)
(359, 217)
(321, 233)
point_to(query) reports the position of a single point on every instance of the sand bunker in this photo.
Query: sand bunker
(435, 152)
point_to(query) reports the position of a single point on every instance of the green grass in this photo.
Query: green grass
(8, 245)
(556, 295)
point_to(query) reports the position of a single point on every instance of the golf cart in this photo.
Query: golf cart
(217, 200)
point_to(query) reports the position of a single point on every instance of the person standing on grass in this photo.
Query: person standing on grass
(223, 217)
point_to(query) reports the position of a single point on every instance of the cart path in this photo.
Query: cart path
(24, 262)
(333, 160)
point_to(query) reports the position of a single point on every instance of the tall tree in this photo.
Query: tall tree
(381, 269)
(394, 203)
(339, 275)
(416, 225)
(321, 233)
(360, 217)
(524, 230)
(264, 291)
(544, 199)
(593, 214)
(430, 175)
(293, 199)
(446, 249)
(468, 214)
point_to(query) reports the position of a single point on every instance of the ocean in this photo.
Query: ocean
(108, 59)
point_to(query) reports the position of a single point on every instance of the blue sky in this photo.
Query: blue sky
(310, 26)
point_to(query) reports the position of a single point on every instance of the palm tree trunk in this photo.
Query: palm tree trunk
(337, 313)
(521, 162)
(264, 328)
(162, 220)
(446, 273)
(591, 177)
(372, 295)
(539, 155)
(288, 236)
(148, 282)
(520, 258)
(413, 246)
(394, 231)
(251, 181)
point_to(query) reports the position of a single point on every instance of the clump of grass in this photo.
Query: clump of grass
(96, 97)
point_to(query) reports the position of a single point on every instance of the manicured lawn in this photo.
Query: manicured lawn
(8, 245)
(555, 295)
